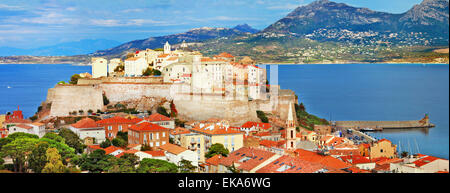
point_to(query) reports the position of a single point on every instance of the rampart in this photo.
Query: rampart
(68, 98)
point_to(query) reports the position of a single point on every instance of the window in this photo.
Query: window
(157, 144)
(151, 136)
(145, 136)
(120, 127)
(110, 128)
(151, 144)
(164, 134)
(163, 142)
(157, 135)
(381, 150)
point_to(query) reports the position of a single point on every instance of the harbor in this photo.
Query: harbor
(382, 125)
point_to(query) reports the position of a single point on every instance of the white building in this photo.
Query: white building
(99, 67)
(31, 128)
(113, 63)
(421, 164)
(176, 154)
(135, 66)
(88, 130)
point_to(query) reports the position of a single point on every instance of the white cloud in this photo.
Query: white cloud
(130, 22)
(132, 10)
(51, 18)
(284, 7)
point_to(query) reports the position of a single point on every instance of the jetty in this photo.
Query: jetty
(381, 125)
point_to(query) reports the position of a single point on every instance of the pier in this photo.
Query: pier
(381, 125)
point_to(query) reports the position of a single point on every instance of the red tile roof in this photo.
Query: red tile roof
(214, 129)
(355, 159)
(381, 140)
(24, 126)
(250, 124)
(288, 164)
(85, 123)
(324, 160)
(253, 158)
(357, 170)
(146, 126)
(157, 117)
(425, 160)
(268, 143)
(214, 160)
(156, 153)
(171, 148)
(179, 130)
(115, 120)
(112, 149)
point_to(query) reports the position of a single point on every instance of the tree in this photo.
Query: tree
(74, 79)
(261, 115)
(105, 143)
(233, 169)
(145, 147)
(156, 72)
(186, 166)
(122, 135)
(62, 82)
(125, 164)
(147, 72)
(119, 142)
(161, 110)
(72, 140)
(64, 150)
(38, 158)
(55, 137)
(95, 162)
(404, 154)
(148, 165)
(54, 163)
(215, 149)
(105, 100)
(119, 68)
(17, 150)
(22, 135)
(90, 111)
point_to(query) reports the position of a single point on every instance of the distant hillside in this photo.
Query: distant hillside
(323, 20)
(81, 47)
(193, 35)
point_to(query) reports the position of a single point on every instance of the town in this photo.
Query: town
(175, 111)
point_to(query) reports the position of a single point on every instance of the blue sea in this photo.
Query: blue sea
(331, 91)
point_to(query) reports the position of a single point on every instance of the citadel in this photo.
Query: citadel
(200, 87)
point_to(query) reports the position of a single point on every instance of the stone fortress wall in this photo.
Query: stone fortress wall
(68, 98)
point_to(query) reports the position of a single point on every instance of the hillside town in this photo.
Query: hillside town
(166, 132)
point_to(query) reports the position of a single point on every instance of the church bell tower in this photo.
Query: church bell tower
(291, 133)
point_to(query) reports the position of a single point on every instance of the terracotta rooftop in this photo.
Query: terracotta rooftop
(85, 123)
(17, 120)
(112, 149)
(250, 124)
(215, 129)
(288, 164)
(426, 160)
(157, 117)
(171, 148)
(132, 59)
(24, 126)
(246, 158)
(355, 159)
(115, 120)
(322, 159)
(214, 160)
(156, 153)
(179, 130)
(146, 126)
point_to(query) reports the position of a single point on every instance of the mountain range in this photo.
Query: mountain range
(193, 35)
(320, 31)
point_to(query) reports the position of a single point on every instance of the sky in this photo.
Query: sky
(37, 23)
